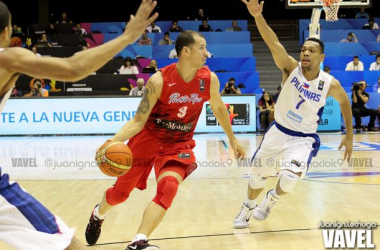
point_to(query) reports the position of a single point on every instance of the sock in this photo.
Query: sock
(274, 194)
(139, 237)
(250, 203)
(98, 215)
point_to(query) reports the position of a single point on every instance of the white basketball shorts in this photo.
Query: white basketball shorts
(26, 224)
(281, 149)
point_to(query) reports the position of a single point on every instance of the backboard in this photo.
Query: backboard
(303, 4)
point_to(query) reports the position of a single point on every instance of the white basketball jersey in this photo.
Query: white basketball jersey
(300, 104)
(5, 97)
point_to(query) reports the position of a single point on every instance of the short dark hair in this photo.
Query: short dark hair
(350, 34)
(326, 68)
(356, 57)
(5, 16)
(185, 38)
(321, 44)
(377, 56)
(232, 79)
(166, 33)
(371, 19)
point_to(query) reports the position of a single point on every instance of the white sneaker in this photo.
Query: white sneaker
(242, 219)
(262, 211)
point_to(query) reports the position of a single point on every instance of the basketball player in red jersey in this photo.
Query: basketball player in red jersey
(161, 134)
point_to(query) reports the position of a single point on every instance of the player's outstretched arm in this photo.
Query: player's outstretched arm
(152, 93)
(19, 60)
(283, 61)
(220, 111)
(338, 93)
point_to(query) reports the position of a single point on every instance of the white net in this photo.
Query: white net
(331, 8)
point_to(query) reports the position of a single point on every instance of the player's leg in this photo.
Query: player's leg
(169, 177)
(263, 166)
(294, 165)
(26, 224)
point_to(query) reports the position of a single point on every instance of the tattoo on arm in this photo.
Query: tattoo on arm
(144, 105)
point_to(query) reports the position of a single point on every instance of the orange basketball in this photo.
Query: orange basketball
(15, 42)
(114, 158)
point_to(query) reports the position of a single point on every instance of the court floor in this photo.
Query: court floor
(62, 174)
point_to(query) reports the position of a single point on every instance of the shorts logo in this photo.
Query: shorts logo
(184, 156)
(297, 163)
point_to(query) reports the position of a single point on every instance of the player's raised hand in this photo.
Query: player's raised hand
(347, 142)
(254, 7)
(138, 23)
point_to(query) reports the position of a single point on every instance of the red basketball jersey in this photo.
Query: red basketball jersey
(176, 113)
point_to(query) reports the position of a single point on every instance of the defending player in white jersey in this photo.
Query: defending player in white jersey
(292, 137)
(24, 222)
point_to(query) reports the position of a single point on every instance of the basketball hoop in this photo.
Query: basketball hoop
(331, 8)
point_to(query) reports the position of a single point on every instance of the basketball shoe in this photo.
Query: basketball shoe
(93, 229)
(141, 244)
(242, 219)
(261, 211)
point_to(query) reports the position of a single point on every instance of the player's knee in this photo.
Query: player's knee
(288, 181)
(257, 182)
(166, 191)
(115, 197)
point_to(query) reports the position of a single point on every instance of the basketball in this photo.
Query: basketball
(15, 42)
(114, 158)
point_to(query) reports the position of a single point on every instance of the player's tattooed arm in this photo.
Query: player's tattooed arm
(144, 106)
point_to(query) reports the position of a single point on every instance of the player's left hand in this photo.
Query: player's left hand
(239, 151)
(348, 143)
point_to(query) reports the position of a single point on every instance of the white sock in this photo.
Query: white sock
(250, 203)
(98, 215)
(139, 237)
(274, 194)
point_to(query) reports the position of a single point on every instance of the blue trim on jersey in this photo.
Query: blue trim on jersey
(257, 150)
(287, 131)
(41, 219)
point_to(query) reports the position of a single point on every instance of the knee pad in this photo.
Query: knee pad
(115, 197)
(288, 181)
(257, 182)
(166, 191)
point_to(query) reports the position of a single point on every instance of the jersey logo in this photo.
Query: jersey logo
(202, 85)
(321, 85)
(177, 98)
(303, 89)
(293, 116)
(305, 85)
(171, 84)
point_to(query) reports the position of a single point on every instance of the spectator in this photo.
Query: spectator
(371, 25)
(175, 27)
(351, 38)
(375, 65)
(234, 26)
(139, 89)
(79, 30)
(51, 30)
(17, 31)
(44, 42)
(378, 38)
(34, 50)
(153, 28)
(64, 19)
(355, 65)
(359, 99)
(128, 68)
(16, 93)
(201, 15)
(153, 65)
(376, 87)
(266, 106)
(230, 89)
(166, 40)
(37, 90)
(362, 14)
(145, 40)
(327, 69)
(205, 27)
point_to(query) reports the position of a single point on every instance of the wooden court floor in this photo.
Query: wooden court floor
(202, 214)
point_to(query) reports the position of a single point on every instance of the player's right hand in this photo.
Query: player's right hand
(254, 7)
(137, 24)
